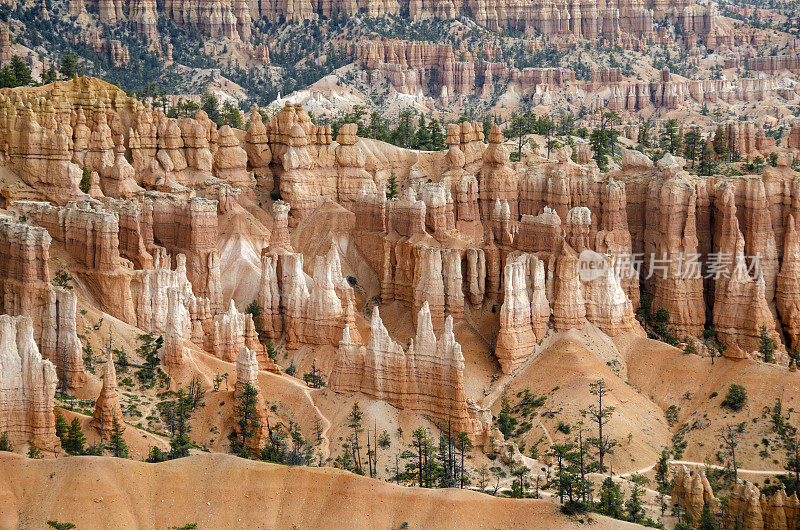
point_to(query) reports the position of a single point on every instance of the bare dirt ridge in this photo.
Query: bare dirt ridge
(220, 491)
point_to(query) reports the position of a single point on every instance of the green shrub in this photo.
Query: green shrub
(736, 397)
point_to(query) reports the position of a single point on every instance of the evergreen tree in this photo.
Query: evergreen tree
(354, 422)
(50, 75)
(86, 180)
(487, 128)
(720, 143)
(231, 116)
(611, 501)
(634, 505)
(692, 141)
(254, 310)
(662, 472)
(422, 138)
(7, 79)
(644, 135)
(707, 164)
(601, 141)
(518, 487)
(210, 105)
(377, 127)
(35, 453)
(766, 345)
(707, 520)
(758, 164)
(74, 441)
(403, 135)
(600, 415)
(5, 444)
(670, 138)
(794, 355)
(61, 425)
(421, 464)
(22, 74)
(156, 455)
(247, 417)
(565, 456)
(505, 421)
(116, 443)
(436, 134)
(148, 350)
(517, 128)
(464, 445)
(391, 186)
(69, 66)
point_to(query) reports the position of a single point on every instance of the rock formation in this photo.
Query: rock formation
(427, 377)
(247, 374)
(749, 509)
(692, 492)
(516, 339)
(27, 386)
(174, 355)
(107, 406)
(60, 342)
(24, 271)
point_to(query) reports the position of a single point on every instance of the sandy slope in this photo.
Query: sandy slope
(563, 373)
(219, 491)
(689, 382)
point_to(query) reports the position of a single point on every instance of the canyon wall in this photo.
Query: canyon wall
(27, 386)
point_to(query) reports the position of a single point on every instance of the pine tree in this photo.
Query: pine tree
(86, 180)
(75, 439)
(116, 443)
(670, 138)
(354, 422)
(518, 127)
(691, 142)
(766, 345)
(600, 140)
(436, 135)
(377, 127)
(464, 445)
(611, 501)
(391, 187)
(644, 135)
(565, 456)
(272, 353)
(403, 135)
(5, 444)
(707, 164)
(148, 350)
(707, 520)
(247, 414)
(50, 75)
(422, 138)
(487, 128)
(22, 74)
(600, 415)
(210, 105)
(662, 472)
(634, 505)
(505, 421)
(69, 66)
(61, 425)
(720, 143)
